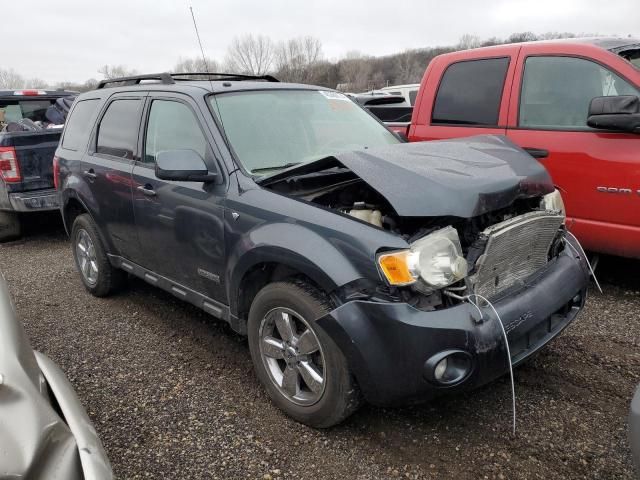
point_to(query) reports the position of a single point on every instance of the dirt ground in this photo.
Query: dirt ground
(173, 395)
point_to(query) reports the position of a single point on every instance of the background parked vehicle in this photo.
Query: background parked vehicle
(340, 251)
(30, 126)
(388, 108)
(45, 431)
(541, 96)
(409, 91)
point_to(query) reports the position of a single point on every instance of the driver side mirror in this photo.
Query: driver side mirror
(182, 165)
(621, 113)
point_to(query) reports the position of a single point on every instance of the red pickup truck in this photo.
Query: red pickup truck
(541, 96)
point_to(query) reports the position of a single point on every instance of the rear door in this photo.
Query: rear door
(462, 95)
(107, 170)
(598, 172)
(180, 224)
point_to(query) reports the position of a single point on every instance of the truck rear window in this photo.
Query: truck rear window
(470, 92)
(16, 110)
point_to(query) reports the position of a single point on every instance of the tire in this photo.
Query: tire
(98, 276)
(9, 226)
(330, 401)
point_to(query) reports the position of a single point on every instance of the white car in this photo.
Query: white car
(408, 91)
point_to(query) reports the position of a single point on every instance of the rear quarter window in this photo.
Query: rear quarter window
(470, 92)
(79, 124)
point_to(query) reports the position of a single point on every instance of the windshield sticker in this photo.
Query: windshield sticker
(333, 95)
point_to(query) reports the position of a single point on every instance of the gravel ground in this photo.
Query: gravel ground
(173, 395)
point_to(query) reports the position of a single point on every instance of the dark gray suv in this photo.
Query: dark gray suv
(359, 266)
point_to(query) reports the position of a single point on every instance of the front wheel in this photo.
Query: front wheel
(302, 369)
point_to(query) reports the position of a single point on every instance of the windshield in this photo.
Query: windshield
(273, 129)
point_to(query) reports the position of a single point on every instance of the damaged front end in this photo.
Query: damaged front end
(479, 217)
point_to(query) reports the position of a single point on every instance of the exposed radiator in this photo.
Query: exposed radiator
(516, 249)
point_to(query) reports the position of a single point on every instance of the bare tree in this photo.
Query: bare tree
(355, 72)
(489, 42)
(408, 68)
(295, 58)
(522, 37)
(196, 65)
(11, 79)
(250, 55)
(468, 41)
(555, 35)
(90, 84)
(115, 71)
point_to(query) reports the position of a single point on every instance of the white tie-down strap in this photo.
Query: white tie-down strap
(593, 274)
(469, 298)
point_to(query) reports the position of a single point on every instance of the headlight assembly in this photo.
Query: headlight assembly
(436, 259)
(553, 202)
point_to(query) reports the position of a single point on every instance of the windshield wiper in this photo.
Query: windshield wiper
(275, 167)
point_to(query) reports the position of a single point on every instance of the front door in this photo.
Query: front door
(593, 169)
(180, 224)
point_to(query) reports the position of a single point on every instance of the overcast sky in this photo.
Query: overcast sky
(60, 40)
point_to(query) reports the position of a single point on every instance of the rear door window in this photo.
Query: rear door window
(172, 126)
(470, 93)
(557, 91)
(118, 129)
(79, 124)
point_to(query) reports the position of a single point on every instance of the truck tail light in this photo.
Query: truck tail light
(56, 172)
(9, 167)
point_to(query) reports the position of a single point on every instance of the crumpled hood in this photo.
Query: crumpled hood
(463, 177)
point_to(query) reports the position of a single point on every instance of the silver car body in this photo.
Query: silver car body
(44, 430)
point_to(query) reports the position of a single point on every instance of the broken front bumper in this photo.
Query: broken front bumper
(391, 347)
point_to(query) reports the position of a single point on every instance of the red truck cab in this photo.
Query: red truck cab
(539, 94)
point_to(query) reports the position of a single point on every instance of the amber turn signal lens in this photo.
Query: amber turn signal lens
(395, 267)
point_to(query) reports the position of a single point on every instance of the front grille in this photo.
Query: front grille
(515, 249)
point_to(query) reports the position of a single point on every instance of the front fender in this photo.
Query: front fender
(299, 248)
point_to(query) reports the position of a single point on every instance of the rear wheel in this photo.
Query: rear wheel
(302, 369)
(96, 272)
(9, 226)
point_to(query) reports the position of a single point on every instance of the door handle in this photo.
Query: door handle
(90, 174)
(537, 152)
(147, 190)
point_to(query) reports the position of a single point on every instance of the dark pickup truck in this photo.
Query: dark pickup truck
(28, 140)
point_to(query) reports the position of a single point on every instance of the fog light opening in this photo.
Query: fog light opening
(448, 368)
(441, 369)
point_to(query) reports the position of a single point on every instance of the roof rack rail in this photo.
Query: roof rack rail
(223, 76)
(164, 78)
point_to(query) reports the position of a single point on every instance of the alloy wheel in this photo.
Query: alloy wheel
(293, 356)
(87, 258)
